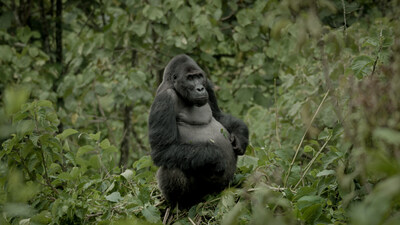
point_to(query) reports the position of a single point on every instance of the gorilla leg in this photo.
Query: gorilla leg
(179, 188)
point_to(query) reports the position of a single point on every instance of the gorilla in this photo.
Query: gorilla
(193, 143)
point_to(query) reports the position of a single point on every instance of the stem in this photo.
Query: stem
(46, 174)
(344, 19)
(302, 139)
(276, 117)
(191, 221)
(59, 49)
(377, 54)
(312, 161)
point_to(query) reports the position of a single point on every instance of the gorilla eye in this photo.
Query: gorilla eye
(174, 77)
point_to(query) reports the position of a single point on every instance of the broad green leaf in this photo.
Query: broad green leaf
(33, 52)
(127, 174)
(105, 144)
(308, 148)
(362, 66)
(6, 53)
(75, 172)
(247, 161)
(143, 162)
(152, 214)
(64, 176)
(96, 136)
(139, 27)
(386, 134)
(308, 200)
(326, 173)
(295, 109)
(312, 213)
(17, 209)
(84, 149)
(43, 217)
(66, 133)
(152, 12)
(184, 14)
(114, 197)
(243, 17)
(14, 98)
(45, 103)
(231, 218)
(110, 187)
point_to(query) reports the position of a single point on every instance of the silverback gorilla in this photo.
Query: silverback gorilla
(192, 141)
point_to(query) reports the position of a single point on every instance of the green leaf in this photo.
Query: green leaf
(139, 27)
(143, 162)
(43, 217)
(326, 173)
(247, 161)
(308, 148)
(75, 173)
(105, 144)
(44, 103)
(96, 136)
(362, 66)
(14, 98)
(66, 133)
(388, 135)
(243, 17)
(6, 53)
(114, 197)
(33, 51)
(231, 218)
(152, 214)
(64, 176)
(84, 149)
(308, 200)
(295, 109)
(34, 140)
(153, 12)
(312, 213)
(184, 14)
(127, 174)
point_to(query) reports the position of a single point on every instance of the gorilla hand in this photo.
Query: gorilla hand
(236, 145)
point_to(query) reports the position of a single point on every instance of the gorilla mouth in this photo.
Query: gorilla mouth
(200, 101)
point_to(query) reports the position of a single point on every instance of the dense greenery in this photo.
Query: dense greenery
(317, 82)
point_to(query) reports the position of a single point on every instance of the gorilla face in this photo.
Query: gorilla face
(189, 82)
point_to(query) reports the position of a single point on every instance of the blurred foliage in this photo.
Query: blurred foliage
(317, 82)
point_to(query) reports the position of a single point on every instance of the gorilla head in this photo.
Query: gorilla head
(187, 79)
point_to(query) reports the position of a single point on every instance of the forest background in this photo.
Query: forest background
(316, 81)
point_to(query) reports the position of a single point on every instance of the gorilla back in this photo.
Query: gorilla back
(192, 141)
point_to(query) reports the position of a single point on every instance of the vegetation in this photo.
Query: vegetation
(317, 82)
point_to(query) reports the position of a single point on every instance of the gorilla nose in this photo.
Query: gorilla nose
(200, 89)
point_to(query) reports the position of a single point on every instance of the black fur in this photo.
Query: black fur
(202, 158)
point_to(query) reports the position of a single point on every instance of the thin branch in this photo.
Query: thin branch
(377, 54)
(312, 161)
(191, 221)
(166, 216)
(46, 174)
(302, 139)
(344, 19)
(276, 117)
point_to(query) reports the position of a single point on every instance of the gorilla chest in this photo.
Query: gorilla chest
(197, 125)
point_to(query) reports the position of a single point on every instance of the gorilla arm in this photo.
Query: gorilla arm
(166, 148)
(237, 128)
